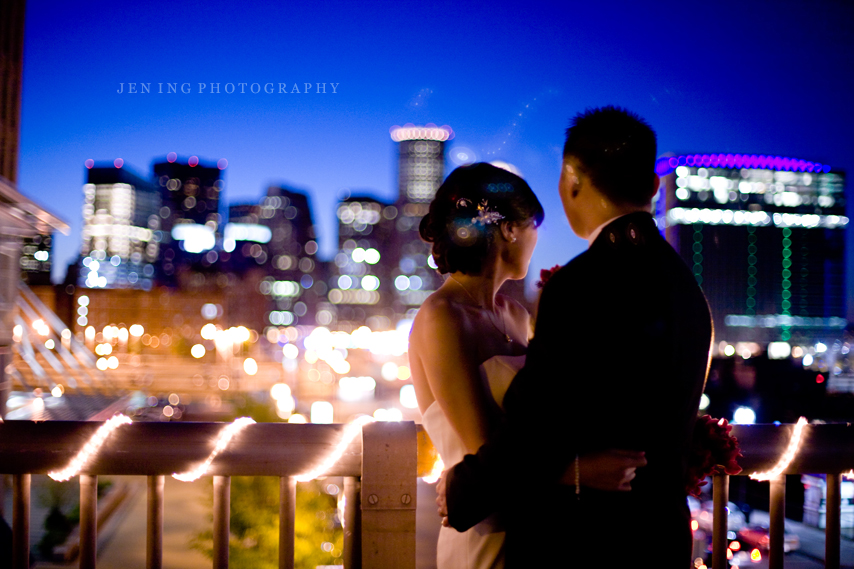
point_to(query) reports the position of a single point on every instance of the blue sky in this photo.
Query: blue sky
(746, 77)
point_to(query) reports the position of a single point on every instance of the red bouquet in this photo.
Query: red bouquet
(713, 451)
(546, 274)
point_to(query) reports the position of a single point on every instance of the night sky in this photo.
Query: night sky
(740, 77)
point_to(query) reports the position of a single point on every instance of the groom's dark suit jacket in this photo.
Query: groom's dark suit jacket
(618, 360)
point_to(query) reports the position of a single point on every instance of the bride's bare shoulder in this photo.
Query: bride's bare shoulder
(439, 312)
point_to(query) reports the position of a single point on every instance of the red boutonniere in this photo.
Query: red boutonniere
(546, 274)
(713, 451)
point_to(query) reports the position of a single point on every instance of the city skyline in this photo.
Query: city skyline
(506, 82)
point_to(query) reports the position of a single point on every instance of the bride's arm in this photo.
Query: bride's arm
(612, 470)
(442, 340)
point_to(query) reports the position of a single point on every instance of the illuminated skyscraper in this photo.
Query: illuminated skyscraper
(190, 193)
(361, 286)
(120, 229)
(764, 236)
(276, 240)
(421, 170)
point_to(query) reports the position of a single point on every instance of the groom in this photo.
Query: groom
(619, 360)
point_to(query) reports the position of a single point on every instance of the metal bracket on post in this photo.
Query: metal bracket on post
(389, 491)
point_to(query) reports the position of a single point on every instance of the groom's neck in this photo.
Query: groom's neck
(607, 211)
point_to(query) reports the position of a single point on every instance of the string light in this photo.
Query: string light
(788, 456)
(848, 475)
(90, 448)
(225, 437)
(350, 432)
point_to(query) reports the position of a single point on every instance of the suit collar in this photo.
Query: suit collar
(631, 229)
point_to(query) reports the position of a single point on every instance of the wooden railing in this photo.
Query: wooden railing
(380, 469)
(823, 449)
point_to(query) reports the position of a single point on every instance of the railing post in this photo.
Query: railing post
(720, 499)
(389, 493)
(777, 521)
(287, 520)
(21, 521)
(154, 528)
(222, 518)
(833, 526)
(88, 521)
(352, 523)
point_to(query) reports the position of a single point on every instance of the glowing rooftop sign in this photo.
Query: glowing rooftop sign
(666, 165)
(429, 132)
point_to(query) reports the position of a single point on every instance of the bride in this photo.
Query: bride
(468, 341)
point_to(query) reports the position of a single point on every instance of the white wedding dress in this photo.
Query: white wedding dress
(481, 547)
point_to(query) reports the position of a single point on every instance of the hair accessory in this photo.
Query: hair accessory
(463, 203)
(485, 216)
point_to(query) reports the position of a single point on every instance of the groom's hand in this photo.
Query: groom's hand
(611, 470)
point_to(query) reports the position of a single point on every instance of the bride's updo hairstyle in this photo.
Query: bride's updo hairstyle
(466, 215)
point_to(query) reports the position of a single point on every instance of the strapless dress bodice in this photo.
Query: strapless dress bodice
(497, 372)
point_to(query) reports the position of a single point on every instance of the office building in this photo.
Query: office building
(121, 229)
(36, 260)
(764, 236)
(421, 170)
(275, 240)
(361, 284)
(190, 195)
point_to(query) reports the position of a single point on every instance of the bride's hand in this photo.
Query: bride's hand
(441, 500)
(612, 470)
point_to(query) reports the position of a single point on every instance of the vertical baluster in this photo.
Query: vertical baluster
(833, 528)
(352, 523)
(154, 529)
(720, 499)
(287, 520)
(222, 514)
(776, 526)
(88, 521)
(21, 521)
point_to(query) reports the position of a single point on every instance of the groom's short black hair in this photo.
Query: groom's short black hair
(616, 148)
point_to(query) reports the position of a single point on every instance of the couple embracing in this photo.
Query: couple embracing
(567, 447)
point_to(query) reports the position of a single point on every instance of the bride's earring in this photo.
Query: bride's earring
(513, 240)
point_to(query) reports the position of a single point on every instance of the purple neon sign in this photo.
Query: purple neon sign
(664, 166)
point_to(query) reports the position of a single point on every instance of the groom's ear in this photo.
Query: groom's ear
(656, 182)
